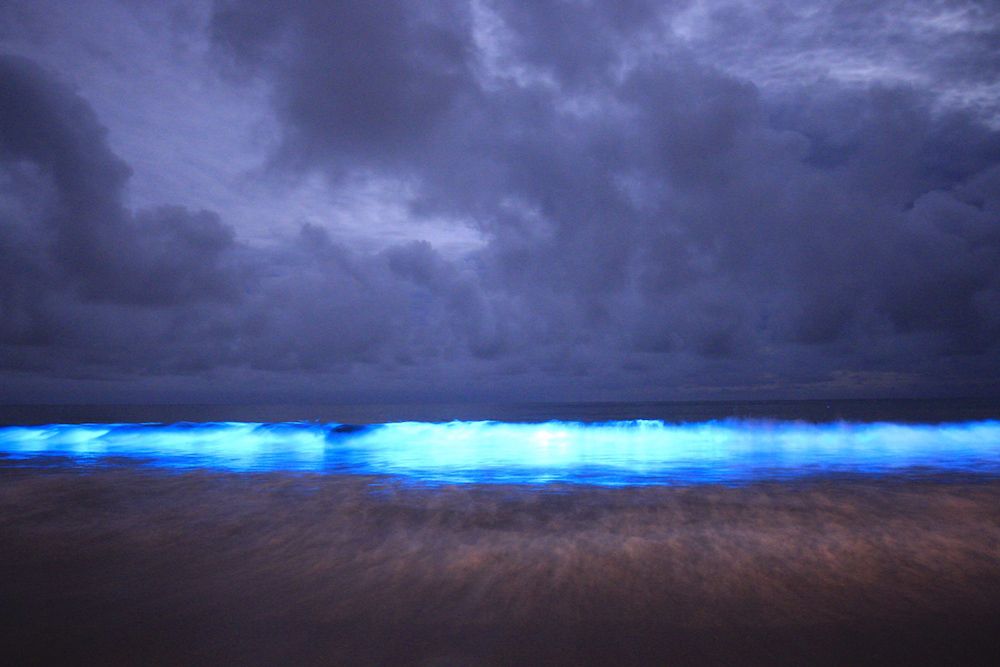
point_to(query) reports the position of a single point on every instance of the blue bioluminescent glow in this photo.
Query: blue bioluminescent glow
(610, 453)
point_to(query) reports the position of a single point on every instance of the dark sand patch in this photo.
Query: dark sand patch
(126, 564)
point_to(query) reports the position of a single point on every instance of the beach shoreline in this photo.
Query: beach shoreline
(122, 563)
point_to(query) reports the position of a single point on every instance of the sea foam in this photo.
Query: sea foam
(608, 453)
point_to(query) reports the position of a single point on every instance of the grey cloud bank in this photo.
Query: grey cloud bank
(685, 200)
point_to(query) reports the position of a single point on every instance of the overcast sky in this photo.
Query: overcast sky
(286, 200)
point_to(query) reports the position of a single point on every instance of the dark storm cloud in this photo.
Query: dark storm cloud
(85, 281)
(91, 287)
(357, 81)
(643, 204)
(52, 144)
(578, 44)
(657, 221)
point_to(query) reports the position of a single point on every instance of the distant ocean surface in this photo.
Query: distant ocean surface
(929, 411)
(597, 444)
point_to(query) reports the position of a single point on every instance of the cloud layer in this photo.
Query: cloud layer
(661, 214)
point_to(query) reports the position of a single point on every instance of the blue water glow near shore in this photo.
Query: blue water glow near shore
(609, 453)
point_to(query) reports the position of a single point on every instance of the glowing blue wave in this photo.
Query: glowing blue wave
(611, 453)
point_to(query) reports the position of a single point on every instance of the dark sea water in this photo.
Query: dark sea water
(928, 411)
(815, 532)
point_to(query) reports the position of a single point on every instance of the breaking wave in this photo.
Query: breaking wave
(609, 453)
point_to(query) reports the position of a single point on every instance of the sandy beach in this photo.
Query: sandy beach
(127, 564)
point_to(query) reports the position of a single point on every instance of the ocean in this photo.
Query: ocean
(596, 444)
(928, 411)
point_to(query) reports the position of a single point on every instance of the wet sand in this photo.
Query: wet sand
(126, 564)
